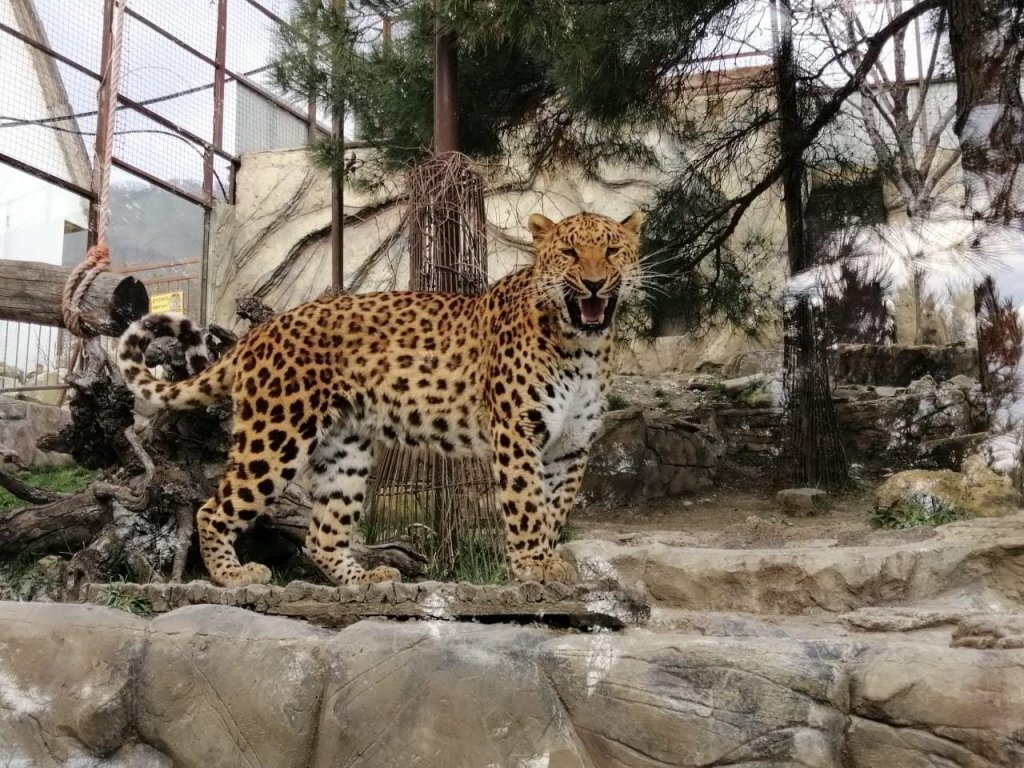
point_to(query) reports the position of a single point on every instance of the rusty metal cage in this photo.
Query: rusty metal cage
(446, 507)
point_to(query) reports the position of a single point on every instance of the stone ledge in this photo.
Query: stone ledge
(593, 604)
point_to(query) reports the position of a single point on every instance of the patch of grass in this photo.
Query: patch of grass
(478, 561)
(115, 597)
(27, 576)
(755, 396)
(567, 534)
(715, 390)
(68, 479)
(617, 402)
(916, 513)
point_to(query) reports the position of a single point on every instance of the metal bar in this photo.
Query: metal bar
(173, 38)
(266, 12)
(44, 48)
(262, 92)
(167, 265)
(338, 182)
(338, 212)
(156, 117)
(21, 165)
(158, 182)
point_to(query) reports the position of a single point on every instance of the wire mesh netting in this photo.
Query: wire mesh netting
(167, 166)
(446, 507)
(447, 228)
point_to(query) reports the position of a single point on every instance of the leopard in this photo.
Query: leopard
(517, 375)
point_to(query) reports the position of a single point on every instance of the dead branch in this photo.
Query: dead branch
(26, 492)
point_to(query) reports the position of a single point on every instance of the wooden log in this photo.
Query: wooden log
(64, 525)
(30, 292)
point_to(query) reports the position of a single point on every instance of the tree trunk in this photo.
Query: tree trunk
(31, 292)
(987, 42)
(812, 452)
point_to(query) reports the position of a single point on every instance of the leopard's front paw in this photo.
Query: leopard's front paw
(550, 569)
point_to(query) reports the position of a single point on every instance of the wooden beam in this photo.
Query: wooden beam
(30, 292)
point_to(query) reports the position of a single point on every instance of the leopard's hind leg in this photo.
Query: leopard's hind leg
(340, 473)
(262, 459)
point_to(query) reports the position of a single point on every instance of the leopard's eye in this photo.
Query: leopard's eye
(570, 252)
(612, 250)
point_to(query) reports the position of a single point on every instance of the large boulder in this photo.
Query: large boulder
(22, 423)
(639, 456)
(976, 491)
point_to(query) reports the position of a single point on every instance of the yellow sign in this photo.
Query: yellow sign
(167, 302)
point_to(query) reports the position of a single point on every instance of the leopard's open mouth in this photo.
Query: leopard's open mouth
(590, 313)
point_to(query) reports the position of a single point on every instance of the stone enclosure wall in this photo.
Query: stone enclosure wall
(216, 686)
(22, 423)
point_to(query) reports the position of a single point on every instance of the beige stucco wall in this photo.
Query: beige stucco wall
(274, 242)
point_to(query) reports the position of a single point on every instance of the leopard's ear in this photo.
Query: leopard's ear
(633, 222)
(540, 225)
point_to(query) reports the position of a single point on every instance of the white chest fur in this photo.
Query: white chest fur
(573, 407)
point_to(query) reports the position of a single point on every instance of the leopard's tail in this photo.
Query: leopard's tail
(209, 385)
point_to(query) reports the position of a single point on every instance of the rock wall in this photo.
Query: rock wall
(925, 424)
(899, 365)
(640, 456)
(22, 423)
(217, 686)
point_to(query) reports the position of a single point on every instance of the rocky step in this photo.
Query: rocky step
(583, 606)
(983, 557)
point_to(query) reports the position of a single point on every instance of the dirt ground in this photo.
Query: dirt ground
(742, 515)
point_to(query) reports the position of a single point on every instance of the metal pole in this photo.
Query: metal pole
(338, 209)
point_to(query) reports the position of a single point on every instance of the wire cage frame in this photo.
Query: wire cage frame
(445, 507)
(447, 227)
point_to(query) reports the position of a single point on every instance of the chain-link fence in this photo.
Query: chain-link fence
(193, 93)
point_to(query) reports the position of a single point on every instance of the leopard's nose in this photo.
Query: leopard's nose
(594, 285)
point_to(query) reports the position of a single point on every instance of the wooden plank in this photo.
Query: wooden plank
(583, 606)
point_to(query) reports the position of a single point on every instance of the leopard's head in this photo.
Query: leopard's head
(586, 265)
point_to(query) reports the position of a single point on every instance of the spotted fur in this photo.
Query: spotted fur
(518, 374)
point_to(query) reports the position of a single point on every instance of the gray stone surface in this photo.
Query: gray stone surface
(594, 604)
(642, 456)
(984, 554)
(22, 423)
(218, 686)
(801, 502)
